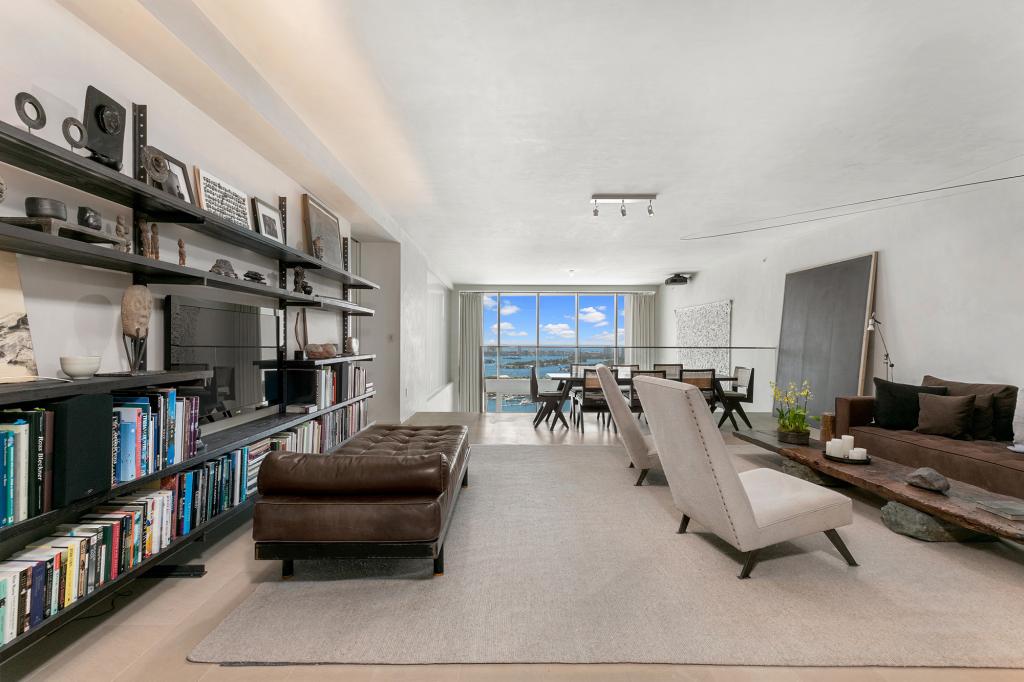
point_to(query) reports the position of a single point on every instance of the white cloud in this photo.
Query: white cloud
(509, 309)
(489, 302)
(560, 329)
(602, 307)
(591, 315)
(515, 333)
(603, 337)
(602, 324)
(508, 329)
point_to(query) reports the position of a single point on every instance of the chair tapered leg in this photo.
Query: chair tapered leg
(724, 417)
(750, 560)
(559, 417)
(683, 524)
(833, 535)
(631, 465)
(733, 420)
(743, 415)
(643, 475)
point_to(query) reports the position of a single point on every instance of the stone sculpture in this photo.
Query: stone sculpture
(928, 479)
(254, 276)
(318, 248)
(3, 190)
(121, 230)
(154, 242)
(145, 239)
(300, 285)
(320, 351)
(136, 310)
(91, 218)
(181, 252)
(223, 267)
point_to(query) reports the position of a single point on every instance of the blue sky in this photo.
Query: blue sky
(557, 319)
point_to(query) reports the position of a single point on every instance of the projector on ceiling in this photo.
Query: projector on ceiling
(678, 278)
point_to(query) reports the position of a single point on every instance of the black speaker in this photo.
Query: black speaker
(82, 447)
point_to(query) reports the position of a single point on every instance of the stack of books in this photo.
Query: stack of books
(152, 430)
(26, 464)
(355, 382)
(255, 455)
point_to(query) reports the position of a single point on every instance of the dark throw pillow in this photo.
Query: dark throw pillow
(946, 415)
(1004, 401)
(984, 417)
(896, 405)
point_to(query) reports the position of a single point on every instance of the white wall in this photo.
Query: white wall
(950, 287)
(381, 334)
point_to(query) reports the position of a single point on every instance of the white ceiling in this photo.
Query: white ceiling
(483, 126)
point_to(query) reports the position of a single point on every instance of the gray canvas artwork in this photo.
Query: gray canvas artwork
(706, 324)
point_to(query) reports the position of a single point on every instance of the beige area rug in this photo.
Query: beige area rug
(555, 557)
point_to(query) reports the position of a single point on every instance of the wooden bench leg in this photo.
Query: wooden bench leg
(287, 569)
(439, 562)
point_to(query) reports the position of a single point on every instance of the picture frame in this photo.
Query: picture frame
(223, 200)
(322, 223)
(180, 171)
(267, 220)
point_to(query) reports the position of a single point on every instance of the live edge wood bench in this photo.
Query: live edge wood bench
(389, 493)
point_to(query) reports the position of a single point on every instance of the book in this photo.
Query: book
(19, 476)
(21, 606)
(1013, 511)
(6, 468)
(36, 445)
(52, 557)
(4, 581)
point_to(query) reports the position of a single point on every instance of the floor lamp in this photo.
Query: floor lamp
(874, 325)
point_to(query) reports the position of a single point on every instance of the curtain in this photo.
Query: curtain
(640, 329)
(471, 322)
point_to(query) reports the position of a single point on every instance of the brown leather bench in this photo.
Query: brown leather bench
(390, 493)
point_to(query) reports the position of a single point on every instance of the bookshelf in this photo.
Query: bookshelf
(45, 159)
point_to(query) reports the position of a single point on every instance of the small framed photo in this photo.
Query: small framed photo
(223, 200)
(267, 219)
(183, 187)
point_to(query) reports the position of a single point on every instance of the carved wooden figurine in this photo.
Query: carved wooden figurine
(121, 230)
(145, 239)
(318, 248)
(136, 309)
(181, 252)
(154, 243)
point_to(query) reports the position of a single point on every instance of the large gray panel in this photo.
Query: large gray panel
(822, 335)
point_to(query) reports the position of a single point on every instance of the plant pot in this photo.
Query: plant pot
(794, 437)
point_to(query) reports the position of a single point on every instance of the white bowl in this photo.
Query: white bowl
(80, 366)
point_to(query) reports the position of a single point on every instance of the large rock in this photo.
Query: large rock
(905, 520)
(928, 479)
(806, 473)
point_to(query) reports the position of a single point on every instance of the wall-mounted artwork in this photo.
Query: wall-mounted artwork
(707, 324)
(321, 222)
(17, 359)
(220, 198)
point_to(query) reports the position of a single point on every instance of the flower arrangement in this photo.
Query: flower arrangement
(790, 407)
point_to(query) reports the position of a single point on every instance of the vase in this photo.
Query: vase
(794, 437)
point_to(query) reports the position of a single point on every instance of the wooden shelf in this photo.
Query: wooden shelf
(305, 364)
(345, 277)
(336, 304)
(80, 606)
(49, 389)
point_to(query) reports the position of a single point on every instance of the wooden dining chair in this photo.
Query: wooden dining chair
(672, 371)
(704, 379)
(590, 398)
(548, 403)
(634, 397)
(741, 391)
(625, 371)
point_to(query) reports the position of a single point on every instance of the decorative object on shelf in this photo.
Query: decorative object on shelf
(80, 366)
(299, 283)
(74, 133)
(318, 248)
(3, 190)
(41, 207)
(90, 217)
(254, 276)
(166, 173)
(121, 230)
(60, 228)
(146, 241)
(154, 241)
(136, 309)
(320, 351)
(181, 251)
(351, 346)
(17, 359)
(223, 267)
(221, 199)
(268, 220)
(790, 408)
(104, 127)
(927, 478)
(30, 111)
(320, 222)
(828, 426)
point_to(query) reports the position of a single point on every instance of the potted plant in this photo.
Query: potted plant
(790, 408)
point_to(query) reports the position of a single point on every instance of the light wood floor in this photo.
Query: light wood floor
(156, 623)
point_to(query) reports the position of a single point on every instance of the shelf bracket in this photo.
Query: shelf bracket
(139, 140)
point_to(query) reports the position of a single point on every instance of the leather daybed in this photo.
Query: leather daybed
(389, 493)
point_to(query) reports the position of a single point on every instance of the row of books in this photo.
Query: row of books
(317, 389)
(341, 425)
(152, 430)
(74, 560)
(355, 383)
(26, 464)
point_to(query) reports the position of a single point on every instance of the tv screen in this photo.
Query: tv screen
(238, 342)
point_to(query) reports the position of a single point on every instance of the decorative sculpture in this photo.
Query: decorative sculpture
(41, 207)
(30, 111)
(154, 242)
(89, 217)
(320, 351)
(254, 276)
(104, 121)
(121, 230)
(136, 309)
(352, 346)
(299, 283)
(223, 267)
(927, 478)
(318, 248)
(144, 239)
(181, 252)
(3, 190)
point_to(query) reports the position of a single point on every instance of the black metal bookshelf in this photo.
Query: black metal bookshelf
(25, 392)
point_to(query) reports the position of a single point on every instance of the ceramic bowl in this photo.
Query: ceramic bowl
(80, 366)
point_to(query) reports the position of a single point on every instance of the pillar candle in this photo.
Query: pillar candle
(858, 453)
(847, 445)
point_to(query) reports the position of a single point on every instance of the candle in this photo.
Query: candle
(847, 446)
(828, 448)
(858, 453)
(837, 447)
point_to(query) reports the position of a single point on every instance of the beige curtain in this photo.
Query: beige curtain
(640, 329)
(471, 322)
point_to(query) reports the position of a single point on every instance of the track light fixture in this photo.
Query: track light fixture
(650, 207)
(623, 209)
(622, 200)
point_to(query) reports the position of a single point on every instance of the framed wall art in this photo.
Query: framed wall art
(221, 199)
(176, 182)
(267, 219)
(323, 224)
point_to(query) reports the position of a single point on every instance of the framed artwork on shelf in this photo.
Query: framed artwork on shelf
(177, 183)
(223, 200)
(323, 231)
(267, 219)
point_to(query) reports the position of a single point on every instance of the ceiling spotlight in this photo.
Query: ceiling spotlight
(623, 209)
(595, 209)
(650, 207)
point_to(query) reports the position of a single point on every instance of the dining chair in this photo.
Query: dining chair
(548, 403)
(625, 371)
(640, 451)
(704, 379)
(742, 391)
(751, 510)
(634, 399)
(672, 371)
(590, 398)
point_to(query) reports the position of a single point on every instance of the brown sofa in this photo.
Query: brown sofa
(390, 493)
(984, 463)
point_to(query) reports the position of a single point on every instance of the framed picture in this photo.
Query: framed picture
(321, 223)
(223, 200)
(183, 188)
(267, 219)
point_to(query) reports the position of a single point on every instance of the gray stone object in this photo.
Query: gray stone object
(254, 276)
(41, 207)
(89, 217)
(899, 518)
(928, 479)
(806, 473)
(224, 267)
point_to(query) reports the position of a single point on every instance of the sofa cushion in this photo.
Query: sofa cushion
(985, 464)
(1004, 401)
(897, 405)
(946, 415)
(984, 417)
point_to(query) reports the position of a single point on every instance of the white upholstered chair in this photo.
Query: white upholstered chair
(750, 510)
(640, 449)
